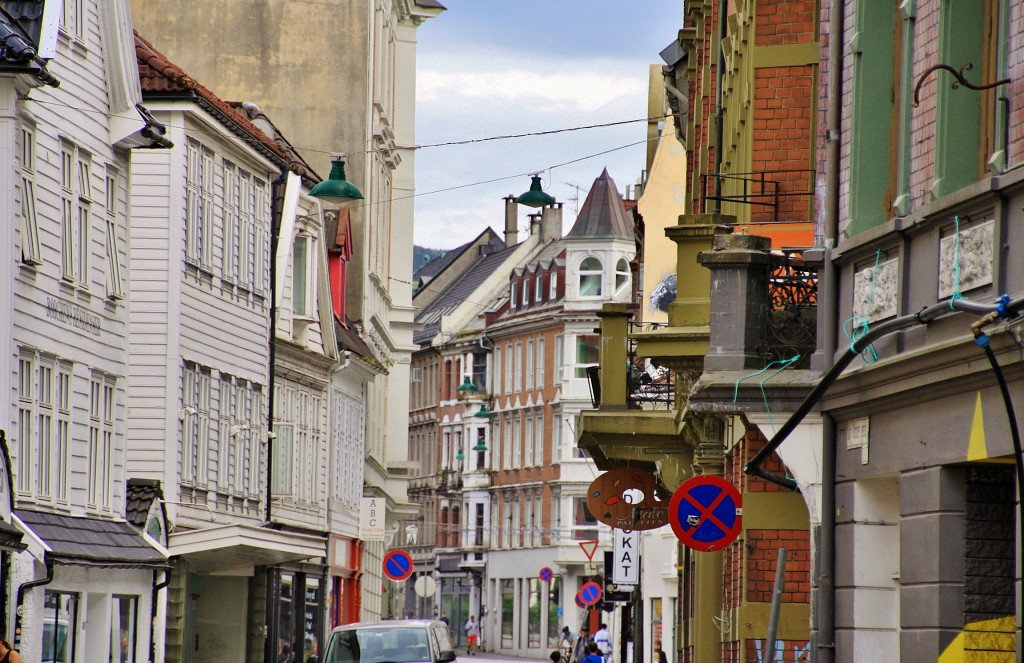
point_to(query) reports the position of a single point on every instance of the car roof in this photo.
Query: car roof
(390, 623)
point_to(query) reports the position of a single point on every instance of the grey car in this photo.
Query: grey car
(397, 641)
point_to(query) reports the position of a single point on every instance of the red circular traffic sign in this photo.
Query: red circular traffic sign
(590, 593)
(546, 574)
(579, 601)
(706, 513)
(398, 565)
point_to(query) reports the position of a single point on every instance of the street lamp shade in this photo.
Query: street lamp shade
(460, 454)
(535, 197)
(336, 189)
(480, 446)
(467, 386)
(482, 413)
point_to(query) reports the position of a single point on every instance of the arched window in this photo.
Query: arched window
(591, 276)
(621, 275)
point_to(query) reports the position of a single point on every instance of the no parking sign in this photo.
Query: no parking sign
(706, 513)
(398, 565)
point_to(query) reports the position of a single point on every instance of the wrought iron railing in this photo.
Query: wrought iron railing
(775, 196)
(649, 385)
(792, 327)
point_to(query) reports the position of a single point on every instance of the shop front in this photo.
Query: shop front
(240, 593)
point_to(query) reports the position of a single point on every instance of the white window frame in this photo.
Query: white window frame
(227, 421)
(199, 205)
(539, 291)
(31, 253)
(588, 274)
(558, 365)
(622, 276)
(45, 426)
(507, 442)
(304, 293)
(517, 441)
(528, 441)
(26, 397)
(553, 286)
(513, 292)
(195, 438)
(114, 218)
(530, 364)
(517, 368)
(62, 455)
(283, 474)
(231, 229)
(496, 367)
(508, 368)
(72, 20)
(102, 412)
(76, 214)
(538, 437)
(526, 292)
(541, 377)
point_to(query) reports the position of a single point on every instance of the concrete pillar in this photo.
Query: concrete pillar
(613, 359)
(740, 266)
(693, 234)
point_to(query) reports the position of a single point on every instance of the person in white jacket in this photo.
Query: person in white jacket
(603, 639)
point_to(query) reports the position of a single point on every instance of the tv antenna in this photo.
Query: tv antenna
(575, 198)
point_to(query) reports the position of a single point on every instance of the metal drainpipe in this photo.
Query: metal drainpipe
(152, 611)
(824, 646)
(277, 202)
(22, 590)
(723, 7)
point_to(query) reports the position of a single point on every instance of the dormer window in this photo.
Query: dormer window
(513, 291)
(526, 292)
(302, 271)
(621, 275)
(553, 286)
(539, 293)
(591, 276)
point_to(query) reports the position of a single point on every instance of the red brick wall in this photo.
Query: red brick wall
(780, 23)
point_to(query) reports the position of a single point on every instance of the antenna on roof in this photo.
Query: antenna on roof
(575, 198)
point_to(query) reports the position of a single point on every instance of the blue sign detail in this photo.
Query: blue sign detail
(398, 565)
(590, 593)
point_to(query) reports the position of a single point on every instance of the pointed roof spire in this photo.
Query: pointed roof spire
(603, 213)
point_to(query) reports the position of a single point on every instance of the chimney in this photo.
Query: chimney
(511, 221)
(534, 223)
(551, 223)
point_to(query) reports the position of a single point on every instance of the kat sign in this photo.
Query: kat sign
(626, 557)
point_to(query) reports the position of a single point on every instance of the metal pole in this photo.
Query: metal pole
(773, 616)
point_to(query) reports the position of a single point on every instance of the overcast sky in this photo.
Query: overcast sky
(495, 67)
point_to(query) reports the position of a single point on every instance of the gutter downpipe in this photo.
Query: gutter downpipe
(723, 8)
(824, 630)
(152, 611)
(22, 590)
(277, 209)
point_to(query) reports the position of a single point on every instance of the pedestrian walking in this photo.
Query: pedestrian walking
(472, 634)
(603, 640)
(593, 654)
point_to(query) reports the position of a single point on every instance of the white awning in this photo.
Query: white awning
(238, 549)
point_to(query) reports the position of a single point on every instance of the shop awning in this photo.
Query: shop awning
(238, 548)
(88, 541)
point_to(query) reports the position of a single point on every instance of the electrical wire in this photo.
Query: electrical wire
(1004, 307)
(450, 143)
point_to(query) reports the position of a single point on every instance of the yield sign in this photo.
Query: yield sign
(589, 548)
(706, 513)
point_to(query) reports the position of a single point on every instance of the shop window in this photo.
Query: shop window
(60, 627)
(123, 620)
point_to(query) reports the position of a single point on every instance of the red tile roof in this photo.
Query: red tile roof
(159, 76)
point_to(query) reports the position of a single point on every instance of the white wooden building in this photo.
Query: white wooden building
(67, 129)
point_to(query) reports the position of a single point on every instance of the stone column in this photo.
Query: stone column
(613, 359)
(740, 305)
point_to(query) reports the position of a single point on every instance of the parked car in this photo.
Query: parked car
(398, 641)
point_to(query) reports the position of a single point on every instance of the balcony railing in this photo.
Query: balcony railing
(650, 385)
(774, 196)
(791, 327)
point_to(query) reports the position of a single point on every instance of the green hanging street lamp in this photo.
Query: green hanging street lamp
(482, 413)
(336, 189)
(535, 197)
(480, 446)
(467, 387)
(460, 454)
